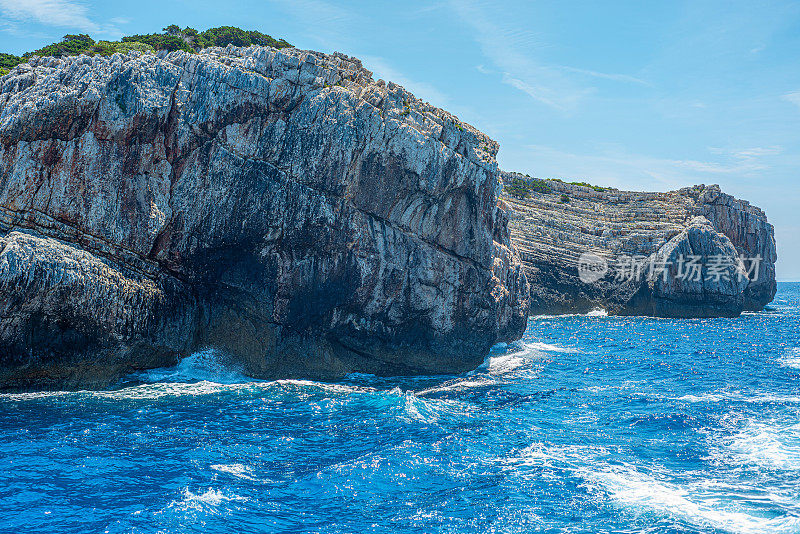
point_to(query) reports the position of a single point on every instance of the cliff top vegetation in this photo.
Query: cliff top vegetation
(521, 186)
(172, 38)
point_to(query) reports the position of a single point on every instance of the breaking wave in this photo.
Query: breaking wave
(588, 424)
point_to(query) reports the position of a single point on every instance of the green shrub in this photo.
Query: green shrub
(9, 61)
(584, 184)
(71, 45)
(540, 186)
(522, 187)
(173, 38)
(3, 71)
(564, 199)
(225, 35)
(160, 41)
(113, 48)
(191, 40)
(517, 188)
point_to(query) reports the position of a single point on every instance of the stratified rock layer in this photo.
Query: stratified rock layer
(551, 232)
(279, 205)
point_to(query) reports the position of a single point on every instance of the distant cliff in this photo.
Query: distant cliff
(280, 205)
(696, 252)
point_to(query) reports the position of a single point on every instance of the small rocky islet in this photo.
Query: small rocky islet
(552, 223)
(284, 207)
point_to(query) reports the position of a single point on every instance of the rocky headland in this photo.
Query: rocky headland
(647, 242)
(279, 205)
(306, 220)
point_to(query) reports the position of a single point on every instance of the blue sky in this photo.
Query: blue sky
(635, 95)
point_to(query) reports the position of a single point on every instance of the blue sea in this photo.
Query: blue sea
(589, 424)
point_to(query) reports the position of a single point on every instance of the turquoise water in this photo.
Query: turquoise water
(589, 424)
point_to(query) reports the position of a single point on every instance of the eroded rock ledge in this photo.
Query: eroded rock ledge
(552, 230)
(280, 205)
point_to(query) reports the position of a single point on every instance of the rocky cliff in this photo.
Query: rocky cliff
(695, 252)
(279, 205)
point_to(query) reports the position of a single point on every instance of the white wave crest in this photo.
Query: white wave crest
(165, 390)
(737, 396)
(162, 390)
(767, 444)
(34, 395)
(527, 351)
(324, 386)
(435, 410)
(507, 363)
(645, 492)
(792, 359)
(237, 470)
(460, 384)
(496, 368)
(597, 312)
(204, 502)
(546, 347)
(206, 365)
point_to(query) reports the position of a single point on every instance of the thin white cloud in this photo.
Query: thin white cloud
(607, 76)
(546, 95)
(624, 170)
(330, 25)
(120, 20)
(62, 13)
(15, 29)
(423, 90)
(748, 153)
(504, 45)
(793, 97)
(756, 152)
(509, 48)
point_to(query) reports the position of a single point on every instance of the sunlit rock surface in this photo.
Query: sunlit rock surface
(551, 231)
(280, 205)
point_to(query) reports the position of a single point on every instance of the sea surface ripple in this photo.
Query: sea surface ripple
(589, 424)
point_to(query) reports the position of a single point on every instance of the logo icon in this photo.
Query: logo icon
(591, 267)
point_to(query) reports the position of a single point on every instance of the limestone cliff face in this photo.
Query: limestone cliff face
(659, 229)
(279, 205)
